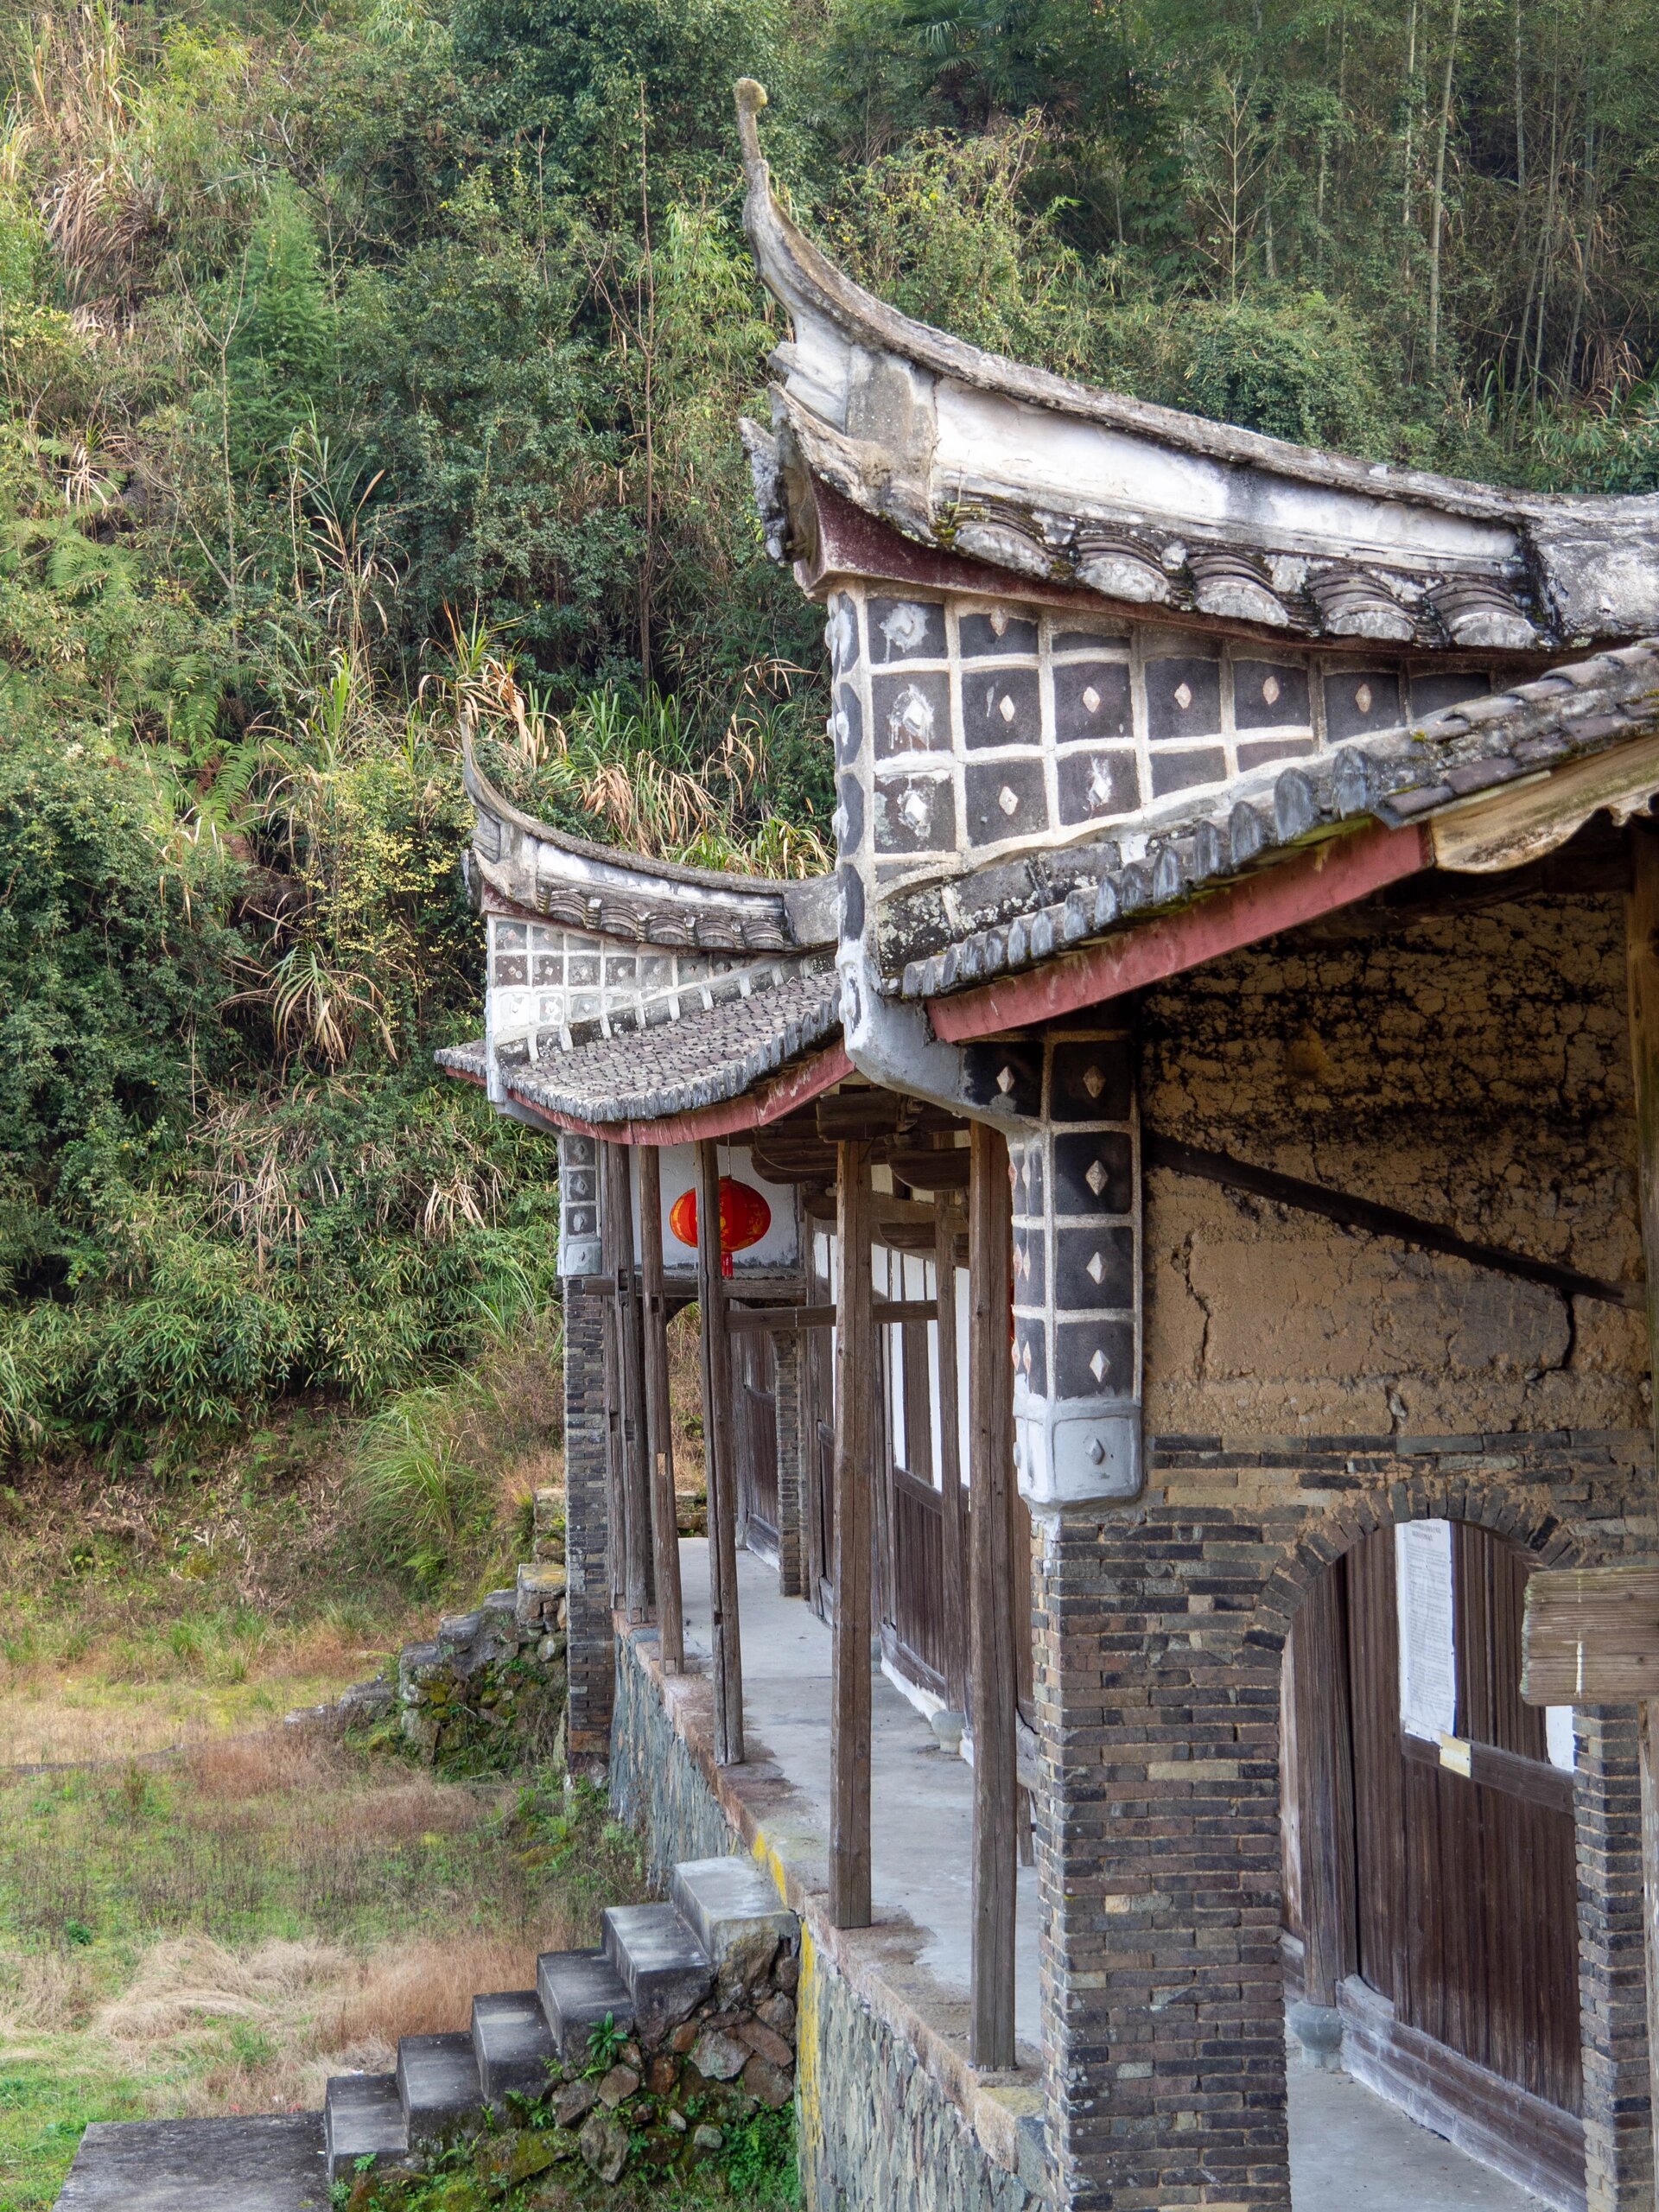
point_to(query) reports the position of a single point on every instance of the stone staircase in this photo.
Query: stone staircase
(695, 2000)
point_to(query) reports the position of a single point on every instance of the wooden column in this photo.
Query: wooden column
(719, 1463)
(1322, 1771)
(659, 1416)
(990, 1407)
(849, 1711)
(616, 1492)
(954, 1519)
(1641, 958)
(630, 1372)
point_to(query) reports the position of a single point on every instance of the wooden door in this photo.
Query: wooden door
(754, 1386)
(1463, 1905)
(915, 1628)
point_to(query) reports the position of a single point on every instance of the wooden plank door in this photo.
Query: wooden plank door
(1464, 1894)
(755, 1386)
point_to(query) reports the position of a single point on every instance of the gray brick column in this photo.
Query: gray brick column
(1613, 1965)
(591, 1659)
(1158, 1862)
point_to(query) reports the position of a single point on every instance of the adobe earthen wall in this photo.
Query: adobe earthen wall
(1474, 1071)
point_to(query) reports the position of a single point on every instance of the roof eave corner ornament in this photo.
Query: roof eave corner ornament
(751, 98)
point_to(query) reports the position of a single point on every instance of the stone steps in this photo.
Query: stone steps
(657, 1965)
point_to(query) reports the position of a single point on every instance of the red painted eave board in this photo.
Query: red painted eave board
(1334, 873)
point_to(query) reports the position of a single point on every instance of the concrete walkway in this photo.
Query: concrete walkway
(921, 1801)
(1350, 2151)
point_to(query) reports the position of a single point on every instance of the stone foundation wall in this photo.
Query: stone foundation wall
(878, 2133)
(656, 1787)
(587, 1493)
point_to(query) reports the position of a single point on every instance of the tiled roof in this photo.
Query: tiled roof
(468, 1060)
(703, 1060)
(1051, 901)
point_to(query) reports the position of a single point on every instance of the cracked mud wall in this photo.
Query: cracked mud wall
(1472, 1069)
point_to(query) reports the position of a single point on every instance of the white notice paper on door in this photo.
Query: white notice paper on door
(1428, 1657)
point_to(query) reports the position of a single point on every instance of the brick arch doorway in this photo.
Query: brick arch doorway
(1430, 1905)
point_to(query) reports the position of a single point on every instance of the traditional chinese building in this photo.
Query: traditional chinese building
(1180, 1191)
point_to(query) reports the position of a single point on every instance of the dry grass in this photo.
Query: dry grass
(221, 1932)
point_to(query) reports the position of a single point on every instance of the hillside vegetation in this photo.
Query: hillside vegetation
(371, 370)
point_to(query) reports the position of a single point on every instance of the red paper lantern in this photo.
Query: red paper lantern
(745, 1217)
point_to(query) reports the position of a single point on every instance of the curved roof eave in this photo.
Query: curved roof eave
(920, 406)
(532, 865)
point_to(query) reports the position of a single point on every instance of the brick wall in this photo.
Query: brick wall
(1158, 1632)
(586, 1442)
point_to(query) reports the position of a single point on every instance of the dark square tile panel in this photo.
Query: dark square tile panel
(1359, 701)
(1000, 706)
(997, 632)
(906, 629)
(1184, 771)
(912, 712)
(1091, 1081)
(1183, 697)
(1005, 798)
(1093, 1172)
(915, 814)
(1094, 1359)
(1091, 699)
(1095, 1267)
(1031, 1354)
(1098, 786)
(1269, 695)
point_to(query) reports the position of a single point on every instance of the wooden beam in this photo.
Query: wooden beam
(952, 1517)
(1642, 969)
(1299, 887)
(941, 1170)
(788, 1321)
(849, 1711)
(720, 1463)
(863, 1112)
(1380, 1220)
(1525, 819)
(659, 1417)
(1591, 1636)
(990, 1396)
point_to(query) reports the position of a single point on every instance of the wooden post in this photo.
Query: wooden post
(616, 1504)
(630, 1427)
(718, 1462)
(955, 1567)
(1641, 958)
(990, 1396)
(850, 1712)
(659, 1417)
(1316, 1653)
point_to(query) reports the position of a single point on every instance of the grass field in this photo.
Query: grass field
(221, 1931)
(200, 1910)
